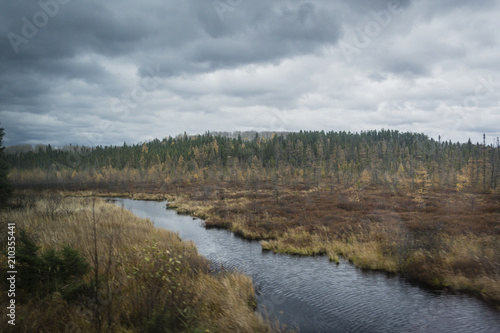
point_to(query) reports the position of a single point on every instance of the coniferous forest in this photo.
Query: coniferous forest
(384, 200)
(312, 159)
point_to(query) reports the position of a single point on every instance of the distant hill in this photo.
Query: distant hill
(385, 157)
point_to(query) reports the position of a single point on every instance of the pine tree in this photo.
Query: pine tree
(5, 188)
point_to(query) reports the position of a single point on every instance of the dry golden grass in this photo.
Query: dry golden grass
(185, 206)
(134, 195)
(441, 238)
(366, 255)
(298, 242)
(148, 277)
(471, 263)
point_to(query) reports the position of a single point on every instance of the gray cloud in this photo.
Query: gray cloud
(107, 72)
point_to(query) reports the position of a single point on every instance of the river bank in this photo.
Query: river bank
(444, 239)
(310, 294)
(135, 277)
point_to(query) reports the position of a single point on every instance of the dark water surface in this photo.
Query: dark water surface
(314, 295)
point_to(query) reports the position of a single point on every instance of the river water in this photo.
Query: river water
(314, 295)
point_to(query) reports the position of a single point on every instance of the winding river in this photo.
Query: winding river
(314, 295)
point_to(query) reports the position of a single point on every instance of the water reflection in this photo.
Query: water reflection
(315, 295)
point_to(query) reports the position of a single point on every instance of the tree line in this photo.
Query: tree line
(314, 158)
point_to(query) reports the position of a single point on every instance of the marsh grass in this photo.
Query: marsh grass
(440, 238)
(144, 278)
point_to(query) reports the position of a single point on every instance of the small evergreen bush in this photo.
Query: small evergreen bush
(41, 274)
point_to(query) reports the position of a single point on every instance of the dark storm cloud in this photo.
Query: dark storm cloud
(87, 64)
(163, 32)
(255, 32)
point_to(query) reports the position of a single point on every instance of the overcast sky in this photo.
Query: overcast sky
(105, 72)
